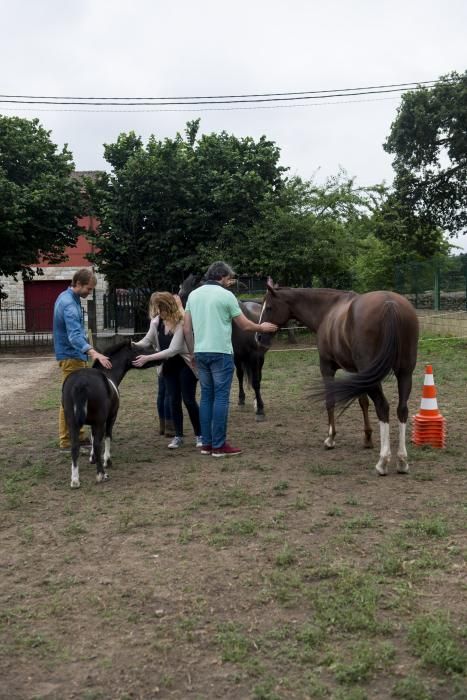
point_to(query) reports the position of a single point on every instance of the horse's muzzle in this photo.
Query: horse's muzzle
(264, 339)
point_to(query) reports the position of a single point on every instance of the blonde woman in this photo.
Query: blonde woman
(165, 335)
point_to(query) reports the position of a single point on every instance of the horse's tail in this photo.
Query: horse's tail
(79, 399)
(352, 385)
(247, 366)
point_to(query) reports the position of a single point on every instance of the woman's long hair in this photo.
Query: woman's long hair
(164, 305)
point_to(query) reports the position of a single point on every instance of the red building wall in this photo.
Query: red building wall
(40, 294)
(77, 256)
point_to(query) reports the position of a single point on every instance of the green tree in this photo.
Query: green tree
(308, 236)
(429, 141)
(39, 201)
(165, 202)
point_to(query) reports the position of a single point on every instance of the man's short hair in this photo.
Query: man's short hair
(83, 276)
(218, 270)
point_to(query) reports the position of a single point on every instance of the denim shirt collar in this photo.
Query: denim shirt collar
(75, 296)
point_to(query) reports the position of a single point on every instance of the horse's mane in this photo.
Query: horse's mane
(112, 350)
(115, 348)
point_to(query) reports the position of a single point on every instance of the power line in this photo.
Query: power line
(223, 97)
(285, 97)
(202, 109)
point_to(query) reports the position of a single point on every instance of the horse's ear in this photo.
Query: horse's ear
(271, 289)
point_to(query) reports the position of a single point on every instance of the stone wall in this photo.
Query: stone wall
(449, 301)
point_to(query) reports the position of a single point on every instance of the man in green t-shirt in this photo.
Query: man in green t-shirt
(209, 313)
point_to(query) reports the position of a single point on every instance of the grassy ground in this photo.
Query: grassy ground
(286, 572)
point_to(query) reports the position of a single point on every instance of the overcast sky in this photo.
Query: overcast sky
(149, 48)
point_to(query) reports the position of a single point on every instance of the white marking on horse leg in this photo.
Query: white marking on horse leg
(329, 443)
(106, 452)
(402, 464)
(92, 456)
(101, 476)
(74, 476)
(385, 451)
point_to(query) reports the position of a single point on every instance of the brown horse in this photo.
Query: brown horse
(367, 335)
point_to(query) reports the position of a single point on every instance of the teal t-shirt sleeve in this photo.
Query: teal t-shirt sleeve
(235, 309)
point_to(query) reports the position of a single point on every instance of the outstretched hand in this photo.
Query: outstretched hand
(140, 361)
(267, 327)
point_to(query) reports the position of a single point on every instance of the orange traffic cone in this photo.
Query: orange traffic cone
(429, 426)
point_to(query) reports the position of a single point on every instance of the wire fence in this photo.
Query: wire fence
(437, 288)
(439, 284)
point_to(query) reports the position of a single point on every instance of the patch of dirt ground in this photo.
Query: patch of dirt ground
(285, 572)
(22, 372)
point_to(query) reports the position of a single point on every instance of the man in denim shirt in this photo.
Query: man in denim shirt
(209, 313)
(72, 348)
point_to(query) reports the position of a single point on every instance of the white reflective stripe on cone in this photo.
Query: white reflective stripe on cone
(429, 404)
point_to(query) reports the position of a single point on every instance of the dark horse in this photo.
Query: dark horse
(90, 396)
(368, 335)
(248, 354)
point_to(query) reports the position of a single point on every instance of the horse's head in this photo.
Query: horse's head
(134, 351)
(275, 310)
(187, 286)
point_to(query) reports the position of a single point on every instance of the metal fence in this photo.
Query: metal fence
(25, 328)
(126, 310)
(12, 319)
(439, 284)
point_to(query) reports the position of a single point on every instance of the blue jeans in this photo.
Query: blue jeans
(215, 377)
(163, 400)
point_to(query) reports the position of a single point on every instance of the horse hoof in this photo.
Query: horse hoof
(382, 469)
(102, 476)
(108, 464)
(329, 444)
(260, 417)
(368, 445)
(402, 467)
(75, 484)
(241, 405)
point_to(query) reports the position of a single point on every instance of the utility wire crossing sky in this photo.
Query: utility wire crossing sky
(217, 99)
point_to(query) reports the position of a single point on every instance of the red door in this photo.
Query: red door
(39, 300)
